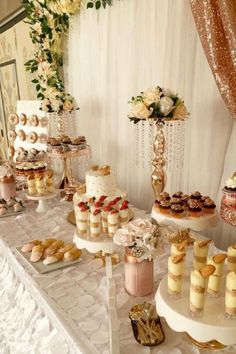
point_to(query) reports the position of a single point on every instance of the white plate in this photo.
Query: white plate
(41, 268)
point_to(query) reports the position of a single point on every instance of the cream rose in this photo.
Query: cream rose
(180, 112)
(150, 96)
(37, 27)
(123, 237)
(142, 226)
(166, 92)
(166, 105)
(139, 110)
(56, 104)
(45, 105)
(68, 106)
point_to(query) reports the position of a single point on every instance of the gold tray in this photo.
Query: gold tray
(71, 216)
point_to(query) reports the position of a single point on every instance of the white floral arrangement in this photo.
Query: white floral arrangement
(157, 104)
(140, 236)
(49, 20)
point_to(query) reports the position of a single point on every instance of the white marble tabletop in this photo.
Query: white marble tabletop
(65, 311)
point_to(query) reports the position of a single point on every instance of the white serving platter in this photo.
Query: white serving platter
(213, 325)
(41, 268)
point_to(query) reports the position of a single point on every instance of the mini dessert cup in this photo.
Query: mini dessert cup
(200, 252)
(198, 285)
(105, 212)
(175, 275)
(231, 260)
(95, 223)
(230, 295)
(113, 222)
(124, 214)
(82, 216)
(178, 248)
(214, 282)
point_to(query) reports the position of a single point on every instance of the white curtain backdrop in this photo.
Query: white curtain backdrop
(127, 48)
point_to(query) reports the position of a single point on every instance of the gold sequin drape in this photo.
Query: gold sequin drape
(216, 24)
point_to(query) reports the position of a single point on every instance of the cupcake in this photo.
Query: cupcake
(177, 195)
(194, 208)
(56, 145)
(175, 201)
(177, 210)
(164, 207)
(208, 206)
(196, 195)
(165, 196)
(185, 198)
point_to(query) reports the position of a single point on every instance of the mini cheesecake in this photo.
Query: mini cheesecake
(200, 252)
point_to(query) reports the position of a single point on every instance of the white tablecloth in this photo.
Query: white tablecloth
(65, 311)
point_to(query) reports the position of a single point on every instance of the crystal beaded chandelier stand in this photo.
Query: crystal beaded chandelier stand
(158, 175)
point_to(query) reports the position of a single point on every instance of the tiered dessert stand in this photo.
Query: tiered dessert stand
(42, 201)
(197, 224)
(211, 331)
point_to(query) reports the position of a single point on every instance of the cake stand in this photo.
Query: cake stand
(208, 331)
(93, 245)
(195, 223)
(42, 201)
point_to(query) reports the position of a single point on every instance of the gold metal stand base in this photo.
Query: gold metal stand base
(211, 345)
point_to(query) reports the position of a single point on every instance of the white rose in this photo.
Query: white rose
(139, 110)
(123, 237)
(68, 106)
(166, 92)
(56, 104)
(37, 27)
(166, 105)
(150, 96)
(142, 226)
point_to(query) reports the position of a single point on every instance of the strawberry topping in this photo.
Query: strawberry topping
(96, 211)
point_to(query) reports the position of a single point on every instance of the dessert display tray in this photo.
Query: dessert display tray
(41, 268)
(12, 213)
(213, 325)
(93, 245)
(195, 223)
(42, 199)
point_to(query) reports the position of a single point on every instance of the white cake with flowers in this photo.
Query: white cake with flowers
(100, 207)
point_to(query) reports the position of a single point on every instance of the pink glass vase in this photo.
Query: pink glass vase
(138, 276)
(7, 187)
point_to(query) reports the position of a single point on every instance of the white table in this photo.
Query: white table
(65, 311)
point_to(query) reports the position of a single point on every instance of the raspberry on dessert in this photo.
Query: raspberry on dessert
(81, 204)
(107, 208)
(84, 208)
(114, 211)
(96, 211)
(112, 203)
(98, 204)
(118, 199)
(102, 198)
(125, 202)
(124, 206)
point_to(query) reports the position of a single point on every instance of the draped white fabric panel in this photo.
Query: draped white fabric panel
(129, 47)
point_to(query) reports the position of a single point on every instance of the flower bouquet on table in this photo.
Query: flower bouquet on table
(157, 104)
(139, 238)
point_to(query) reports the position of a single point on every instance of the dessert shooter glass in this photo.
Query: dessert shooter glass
(138, 275)
(230, 295)
(197, 293)
(175, 277)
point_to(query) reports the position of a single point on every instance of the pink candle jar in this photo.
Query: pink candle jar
(138, 276)
(7, 183)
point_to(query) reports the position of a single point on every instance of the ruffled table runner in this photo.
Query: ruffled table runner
(65, 311)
